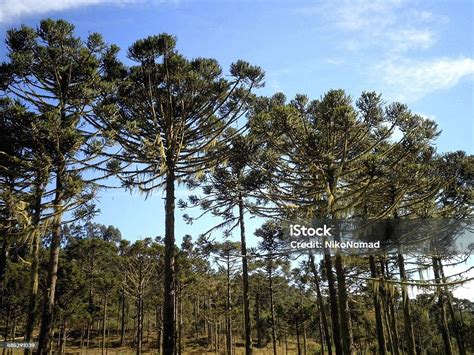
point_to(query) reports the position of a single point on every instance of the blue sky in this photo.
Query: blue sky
(418, 52)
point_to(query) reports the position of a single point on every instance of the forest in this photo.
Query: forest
(76, 120)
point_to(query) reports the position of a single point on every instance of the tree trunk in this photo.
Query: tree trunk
(321, 334)
(298, 346)
(257, 320)
(34, 281)
(333, 303)
(122, 318)
(272, 309)
(442, 309)
(304, 340)
(104, 324)
(34, 271)
(196, 320)
(5, 242)
(245, 280)
(4, 256)
(378, 309)
(3, 259)
(208, 324)
(457, 325)
(88, 336)
(322, 310)
(139, 335)
(158, 327)
(392, 315)
(48, 308)
(409, 335)
(169, 267)
(346, 329)
(62, 337)
(385, 313)
(228, 311)
(180, 326)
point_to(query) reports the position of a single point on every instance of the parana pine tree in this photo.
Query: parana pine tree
(58, 77)
(169, 114)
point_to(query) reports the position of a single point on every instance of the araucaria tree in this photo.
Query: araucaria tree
(230, 192)
(58, 77)
(169, 115)
(25, 167)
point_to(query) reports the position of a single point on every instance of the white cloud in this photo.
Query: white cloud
(427, 17)
(423, 15)
(334, 61)
(413, 79)
(408, 38)
(12, 10)
(386, 37)
(353, 14)
(388, 24)
(361, 15)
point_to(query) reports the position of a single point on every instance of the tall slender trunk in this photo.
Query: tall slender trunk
(4, 257)
(88, 334)
(158, 327)
(216, 337)
(34, 270)
(304, 339)
(345, 315)
(258, 321)
(180, 322)
(245, 279)
(169, 267)
(393, 323)
(385, 313)
(321, 333)
(5, 245)
(333, 303)
(48, 308)
(176, 311)
(322, 309)
(122, 317)
(442, 309)
(392, 315)
(104, 324)
(139, 335)
(298, 345)
(272, 308)
(378, 309)
(62, 337)
(196, 320)
(34, 281)
(457, 325)
(208, 324)
(409, 334)
(228, 310)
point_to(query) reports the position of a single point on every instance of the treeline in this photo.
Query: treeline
(75, 120)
